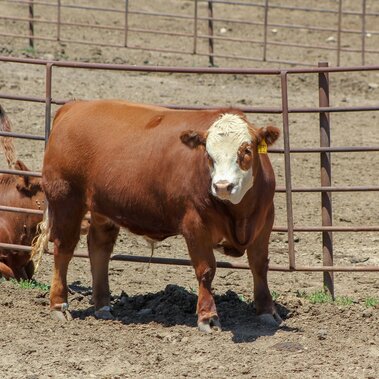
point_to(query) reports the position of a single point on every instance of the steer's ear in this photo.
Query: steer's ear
(268, 133)
(20, 165)
(193, 139)
(27, 185)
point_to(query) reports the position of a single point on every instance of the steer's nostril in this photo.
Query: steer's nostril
(230, 187)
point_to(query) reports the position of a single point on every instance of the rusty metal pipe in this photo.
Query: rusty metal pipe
(210, 33)
(4, 208)
(287, 169)
(326, 181)
(20, 172)
(31, 24)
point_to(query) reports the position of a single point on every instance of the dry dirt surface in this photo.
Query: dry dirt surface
(154, 333)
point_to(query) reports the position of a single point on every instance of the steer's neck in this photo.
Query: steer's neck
(255, 203)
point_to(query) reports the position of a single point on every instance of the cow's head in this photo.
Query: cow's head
(231, 143)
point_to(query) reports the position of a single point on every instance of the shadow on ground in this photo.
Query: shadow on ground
(177, 306)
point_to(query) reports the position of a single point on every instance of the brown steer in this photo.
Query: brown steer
(22, 191)
(159, 173)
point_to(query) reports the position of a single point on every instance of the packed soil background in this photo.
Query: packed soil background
(154, 334)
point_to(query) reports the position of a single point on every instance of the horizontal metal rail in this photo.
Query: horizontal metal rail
(330, 189)
(22, 136)
(219, 264)
(190, 70)
(4, 208)
(215, 19)
(20, 172)
(232, 265)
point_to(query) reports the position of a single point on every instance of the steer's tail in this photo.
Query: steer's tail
(7, 142)
(40, 241)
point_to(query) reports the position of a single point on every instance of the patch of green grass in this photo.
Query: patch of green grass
(31, 284)
(242, 298)
(344, 300)
(274, 295)
(29, 51)
(371, 302)
(319, 297)
(323, 297)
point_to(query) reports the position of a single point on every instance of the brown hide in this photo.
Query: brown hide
(18, 228)
(140, 167)
(130, 165)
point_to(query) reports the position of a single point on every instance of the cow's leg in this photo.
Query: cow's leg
(203, 260)
(6, 271)
(65, 220)
(20, 260)
(258, 260)
(101, 238)
(29, 269)
(15, 265)
(19, 273)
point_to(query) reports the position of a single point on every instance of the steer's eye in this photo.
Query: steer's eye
(245, 156)
(210, 160)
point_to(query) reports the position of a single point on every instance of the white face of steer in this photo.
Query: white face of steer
(226, 137)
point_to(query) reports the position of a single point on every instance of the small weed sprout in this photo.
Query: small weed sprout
(275, 295)
(323, 297)
(31, 284)
(371, 302)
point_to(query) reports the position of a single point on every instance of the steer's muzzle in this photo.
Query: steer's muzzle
(223, 188)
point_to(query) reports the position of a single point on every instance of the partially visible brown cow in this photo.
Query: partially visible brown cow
(17, 228)
(158, 172)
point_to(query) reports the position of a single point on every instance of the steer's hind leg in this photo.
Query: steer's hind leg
(101, 239)
(65, 218)
(203, 260)
(6, 271)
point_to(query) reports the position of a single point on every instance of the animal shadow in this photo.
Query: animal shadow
(177, 306)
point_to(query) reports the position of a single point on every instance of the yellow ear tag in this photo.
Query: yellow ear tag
(262, 147)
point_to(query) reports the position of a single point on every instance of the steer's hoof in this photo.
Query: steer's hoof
(104, 313)
(210, 325)
(271, 320)
(60, 312)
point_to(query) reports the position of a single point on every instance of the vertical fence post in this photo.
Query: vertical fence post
(326, 181)
(195, 28)
(126, 25)
(265, 31)
(210, 33)
(31, 24)
(339, 32)
(49, 70)
(363, 31)
(287, 168)
(59, 21)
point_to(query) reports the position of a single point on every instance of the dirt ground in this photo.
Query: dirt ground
(154, 334)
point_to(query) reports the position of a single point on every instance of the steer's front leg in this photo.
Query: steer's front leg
(202, 257)
(257, 255)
